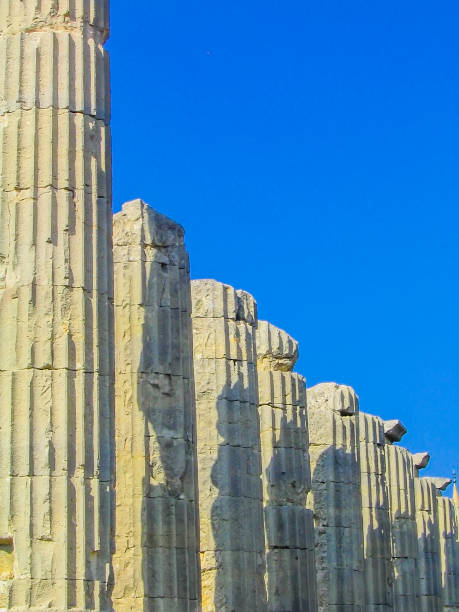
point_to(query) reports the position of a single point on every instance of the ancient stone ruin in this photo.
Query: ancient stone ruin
(157, 450)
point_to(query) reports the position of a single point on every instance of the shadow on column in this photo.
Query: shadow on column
(288, 523)
(338, 530)
(236, 514)
(170, 551)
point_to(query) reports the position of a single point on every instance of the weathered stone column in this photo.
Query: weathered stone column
(400, 477)
(56, 426)
(157, 539)
(449, 552)
(336, 498)
(289, 528)
(375, 514)
(429, 564)
(228, 436)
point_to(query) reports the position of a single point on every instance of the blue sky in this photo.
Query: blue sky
(310, 151)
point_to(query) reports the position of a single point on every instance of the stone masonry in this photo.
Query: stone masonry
(336, 499)
(375, 514)
(156, 559)
(56, 306)
(289, 531)
(228, 443)
(429, 568)
(400, 476)
(167, 458)
(449, 552)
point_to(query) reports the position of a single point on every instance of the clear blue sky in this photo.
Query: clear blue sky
(310, 149)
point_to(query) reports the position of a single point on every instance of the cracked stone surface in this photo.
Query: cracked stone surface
(449, 552)
(428, 563)
(375, 514)
(334, 451)
(156, 563)
(56, 311)
(400, 477)
(289, 529)
(228, 442)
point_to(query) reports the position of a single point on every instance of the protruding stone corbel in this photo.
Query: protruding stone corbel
(394, 430)
(440, 483)
(420, 460)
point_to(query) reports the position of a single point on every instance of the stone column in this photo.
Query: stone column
(449, 552)
(375, 514)
(157, 539)
(289, 529)
(400, 477)
(336, 498)
(228, 435)
(56, 450)
(429, 572)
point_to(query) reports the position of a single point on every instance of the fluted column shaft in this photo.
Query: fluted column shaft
(375, 515)
(449, 552)
(336, 499)
(429, 566)
(157, 541)
(400, 477)
(228, 435)
(56, 449)
(289, 528)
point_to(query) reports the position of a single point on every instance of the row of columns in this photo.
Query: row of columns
(390, 541)
(119, 403)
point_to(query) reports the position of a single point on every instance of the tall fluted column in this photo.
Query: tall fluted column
(289, 528)
(157, 542)
(56, 425)
(375, 515)
(429, 565)
(400, 476)
(449, 552)
(228, 440)
(336, 498)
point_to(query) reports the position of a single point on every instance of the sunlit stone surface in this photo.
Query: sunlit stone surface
(56, 300)
(334, 451)
(228, 441)
(157, 537)
(289, 531)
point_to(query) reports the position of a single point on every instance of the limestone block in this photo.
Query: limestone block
(375, 513)
(449, 552)
(400, 473)
(289, 530)
(228, 444)
(336, 497)
(156, 561)
(440, 484)
(429, 564)
(394, 430)
(56, 307)
(421, 460)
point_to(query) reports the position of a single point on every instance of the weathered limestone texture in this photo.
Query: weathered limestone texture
(375, 514)
(157, 538)
(429, 565)
(228, 436)
(336, 497)
(56, 306)
(400, 477)
(449, 552)
(289, 529)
